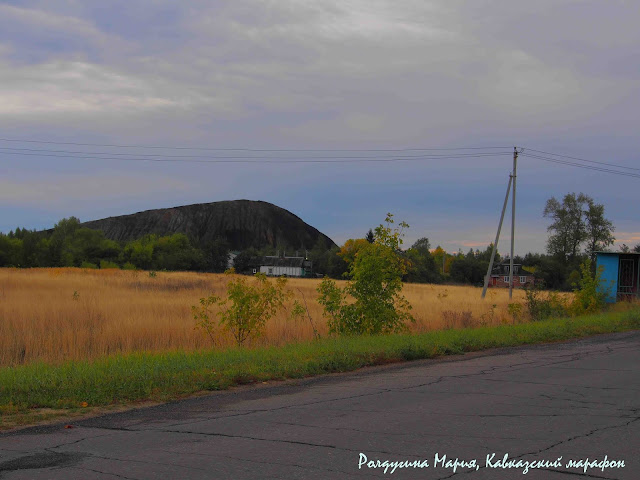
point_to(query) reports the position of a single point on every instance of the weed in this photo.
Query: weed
(488, 317)
(516, 311)
(453, 319)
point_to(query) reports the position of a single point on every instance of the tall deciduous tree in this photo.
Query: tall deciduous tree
(568, 229)
(351, 248)
(422, 266)
(576, 220)
(599, 229)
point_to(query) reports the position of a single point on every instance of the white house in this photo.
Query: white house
(287, 266)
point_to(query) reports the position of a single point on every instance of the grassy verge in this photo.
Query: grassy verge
(136, 377)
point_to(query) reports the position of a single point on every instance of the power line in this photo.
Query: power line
(389, 155)
(582, 159)
(578, 165)
(263, 160)
(45, 152)
(251, 149)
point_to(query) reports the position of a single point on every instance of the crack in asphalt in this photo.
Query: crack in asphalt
(578, 401)
(560, 385)
(104, 473)
(146, 462)
(428, 435)
(304, 467)
(584, 475)
(284, 407)
(275, 440)
(78, 441)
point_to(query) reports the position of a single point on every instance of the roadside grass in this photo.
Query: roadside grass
(28, 390)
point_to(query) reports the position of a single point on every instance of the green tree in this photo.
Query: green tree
(175, 252)
(337, 267)
(242, 262)
(553, 273)
(319, 256)
(88, 245)
(485, 255)
(370, 237)
(468, 269)
(349, 251)
(568, 229)
(10, 251)
(577, 220)
(60, 247)
(215, 255)
(140, 252)
(372, 302)
(422, 265)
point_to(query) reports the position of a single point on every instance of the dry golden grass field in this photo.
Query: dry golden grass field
(60, 314)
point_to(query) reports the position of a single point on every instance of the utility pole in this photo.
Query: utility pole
(495, 244)
(513, 220)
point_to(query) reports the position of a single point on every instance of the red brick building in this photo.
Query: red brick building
(521, 278)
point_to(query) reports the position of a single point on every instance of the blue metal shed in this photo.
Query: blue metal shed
(620, 276)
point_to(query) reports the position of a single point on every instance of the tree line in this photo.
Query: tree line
(69, 244)
(578, 229)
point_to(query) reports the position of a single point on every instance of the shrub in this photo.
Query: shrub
(247, 308)
(541, 307)
(589, 296)
(515, 310)
(86, 264)
(108, 264)
(371, 303)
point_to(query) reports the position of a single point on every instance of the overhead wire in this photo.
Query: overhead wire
(292, 150)
(303, 155)
(258, 160)
(581, 159)
(578, 165)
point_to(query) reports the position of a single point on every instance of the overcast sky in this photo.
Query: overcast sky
(557, 76)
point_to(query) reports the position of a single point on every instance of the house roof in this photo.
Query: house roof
(282, 261)
(617, 253)
(495, 272)
(523, 273)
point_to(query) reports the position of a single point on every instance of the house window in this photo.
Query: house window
(523, 279)
(506, 279)
(271, 271)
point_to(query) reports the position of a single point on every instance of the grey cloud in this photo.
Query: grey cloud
(547, 74)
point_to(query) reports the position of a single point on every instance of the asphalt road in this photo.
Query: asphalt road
(574, 400)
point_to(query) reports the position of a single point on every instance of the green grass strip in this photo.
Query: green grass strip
(164, 376)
